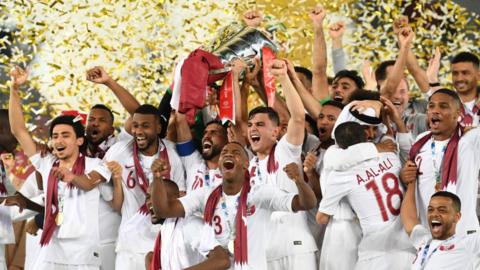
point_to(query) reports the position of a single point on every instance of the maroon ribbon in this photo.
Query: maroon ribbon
(52, 198)
(240, 255)
(156, 262)
(449, 163)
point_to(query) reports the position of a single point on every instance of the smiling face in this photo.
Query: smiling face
(442, 217)
(214, 138)
(442, 113)
(64, 142)
(326, 121)
(99, 126)
(233, 162)
(465, 77)
(400, 97)
(262, 133)
(145, 130)
(342, 88)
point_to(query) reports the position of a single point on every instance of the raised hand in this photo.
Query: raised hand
(160, 167)
(434, 66)
(369, 76)
(293, 172)
(98, 75)
(253, 18)
(399, 23)
(18, 76)
(238, 66)
(405, 37)
(336, 30)
(278, 68)
(318, 15)
(251, 73)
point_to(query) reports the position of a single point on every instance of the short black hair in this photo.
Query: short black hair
(351, 74)
(216, 122)
(457, 204)
(305, 71)
(105, 108)
(74, 121)
(152, 110)
(450, 93)
(381, 71)
(334, 103)
(272, 114)
(349, 133)
(466, 57)
(361, 94)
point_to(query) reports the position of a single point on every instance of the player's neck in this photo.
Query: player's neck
(444, 136)
(151, 150)
(264, 153)
(69, 161)
(233, 186)
(213, 162)
(468, 96)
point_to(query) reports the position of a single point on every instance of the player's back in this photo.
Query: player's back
(376, 197)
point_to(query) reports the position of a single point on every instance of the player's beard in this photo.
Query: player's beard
(215, 151)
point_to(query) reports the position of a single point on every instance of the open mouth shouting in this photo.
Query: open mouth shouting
(436, 227)
(228, 164)
(141, 140)
(59, 149)
(207, 146)
(435, 122)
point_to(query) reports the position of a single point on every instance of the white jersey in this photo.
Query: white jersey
(179, 243)
(374, 192)
(468, 166)
(289, 233)
(136, 232)
(455, 253)
(6, 229)
(260, 204)
(77, 240)
(197, 173)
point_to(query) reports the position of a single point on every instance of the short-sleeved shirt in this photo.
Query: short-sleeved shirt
(455, 253)
(76, 241)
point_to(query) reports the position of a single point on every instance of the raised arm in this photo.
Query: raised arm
(100, 76)
(311, 104)
(162, 205)
(296, 123)
(319, 56)
(396, 74)
(408, 212)
(305, 199)
(336, 31)
(184, 134)
(15, 113)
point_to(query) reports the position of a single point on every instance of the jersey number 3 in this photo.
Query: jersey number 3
(391, 191)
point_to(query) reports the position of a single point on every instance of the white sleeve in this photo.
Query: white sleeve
(472, 241)
(342, 159)
(123, 135)
(272, 198)
(194, 201)
(420, 236)
(42, 163)
(405, 142)
(286, 153)
(98, 166)
(336, 188)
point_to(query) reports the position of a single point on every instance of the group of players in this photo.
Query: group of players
(368, 179)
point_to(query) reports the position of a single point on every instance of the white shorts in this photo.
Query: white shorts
(57, 266)
(305, 261)
(107, 255)
(340, 245)
(128, 260)
(397, 260)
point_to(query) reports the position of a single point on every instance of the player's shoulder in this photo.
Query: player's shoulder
(171, 148)
(119, 149)
(421, 135)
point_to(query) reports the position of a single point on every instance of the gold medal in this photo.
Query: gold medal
(438, 187)
(231, 246)
(59, 219)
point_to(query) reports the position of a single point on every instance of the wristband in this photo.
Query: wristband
(436, 84)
